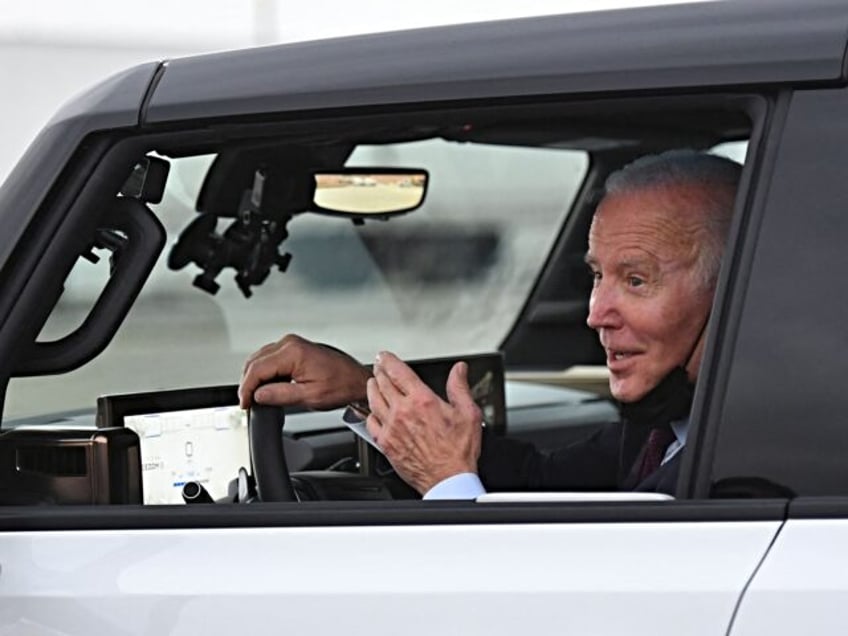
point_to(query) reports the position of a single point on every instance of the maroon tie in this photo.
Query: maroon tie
(655, 448)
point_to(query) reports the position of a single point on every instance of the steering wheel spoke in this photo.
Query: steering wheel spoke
(265, 429)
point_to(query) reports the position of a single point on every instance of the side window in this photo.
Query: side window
(463, 265)
(450, 277)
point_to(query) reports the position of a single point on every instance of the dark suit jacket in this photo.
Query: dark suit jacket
(603, 461)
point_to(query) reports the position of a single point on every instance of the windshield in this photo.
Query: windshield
(448, 278)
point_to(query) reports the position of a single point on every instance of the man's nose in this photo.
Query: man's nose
(603, 309)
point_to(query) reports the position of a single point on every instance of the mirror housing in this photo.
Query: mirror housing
(147, 180)
(369, 192)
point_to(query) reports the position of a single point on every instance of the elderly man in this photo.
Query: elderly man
(655, 248)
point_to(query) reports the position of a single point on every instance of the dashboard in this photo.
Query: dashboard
(146, 448)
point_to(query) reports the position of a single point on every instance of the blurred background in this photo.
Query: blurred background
(52, 49)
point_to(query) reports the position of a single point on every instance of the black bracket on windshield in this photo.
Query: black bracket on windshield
(250, 245)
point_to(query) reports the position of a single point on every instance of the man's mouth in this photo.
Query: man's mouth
(617, 359)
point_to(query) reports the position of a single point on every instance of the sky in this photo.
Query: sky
(52, 49)
(238, 22)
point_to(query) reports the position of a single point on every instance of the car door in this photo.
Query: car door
(639, 568)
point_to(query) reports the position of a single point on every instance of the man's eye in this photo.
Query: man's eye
(596, 277)
(635, 281)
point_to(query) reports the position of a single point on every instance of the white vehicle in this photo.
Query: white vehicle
(137, 500)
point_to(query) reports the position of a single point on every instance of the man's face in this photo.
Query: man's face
(648, 304)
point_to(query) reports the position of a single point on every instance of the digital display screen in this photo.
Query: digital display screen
(206, 445)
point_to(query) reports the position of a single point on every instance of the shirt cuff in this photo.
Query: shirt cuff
(461, 486)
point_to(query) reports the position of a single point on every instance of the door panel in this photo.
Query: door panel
(803, 583)
(602, 578)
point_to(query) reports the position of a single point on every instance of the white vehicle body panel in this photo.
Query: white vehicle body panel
(802, 586)
(600, 578)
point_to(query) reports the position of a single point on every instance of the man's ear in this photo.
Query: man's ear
(694, 362)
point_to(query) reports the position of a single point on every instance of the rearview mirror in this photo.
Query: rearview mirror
(363, 192)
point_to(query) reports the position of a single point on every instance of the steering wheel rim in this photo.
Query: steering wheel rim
(270, 469)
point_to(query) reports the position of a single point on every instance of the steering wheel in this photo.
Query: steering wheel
(270, 470)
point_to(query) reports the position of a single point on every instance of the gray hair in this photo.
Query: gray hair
(715, 178)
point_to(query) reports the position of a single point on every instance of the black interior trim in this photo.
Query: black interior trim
(145, 238)
(818, 508)
(380, 513)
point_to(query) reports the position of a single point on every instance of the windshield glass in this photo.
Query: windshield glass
(448, 278)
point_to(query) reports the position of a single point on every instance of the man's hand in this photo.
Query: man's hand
(425, 438)
(321, 377)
